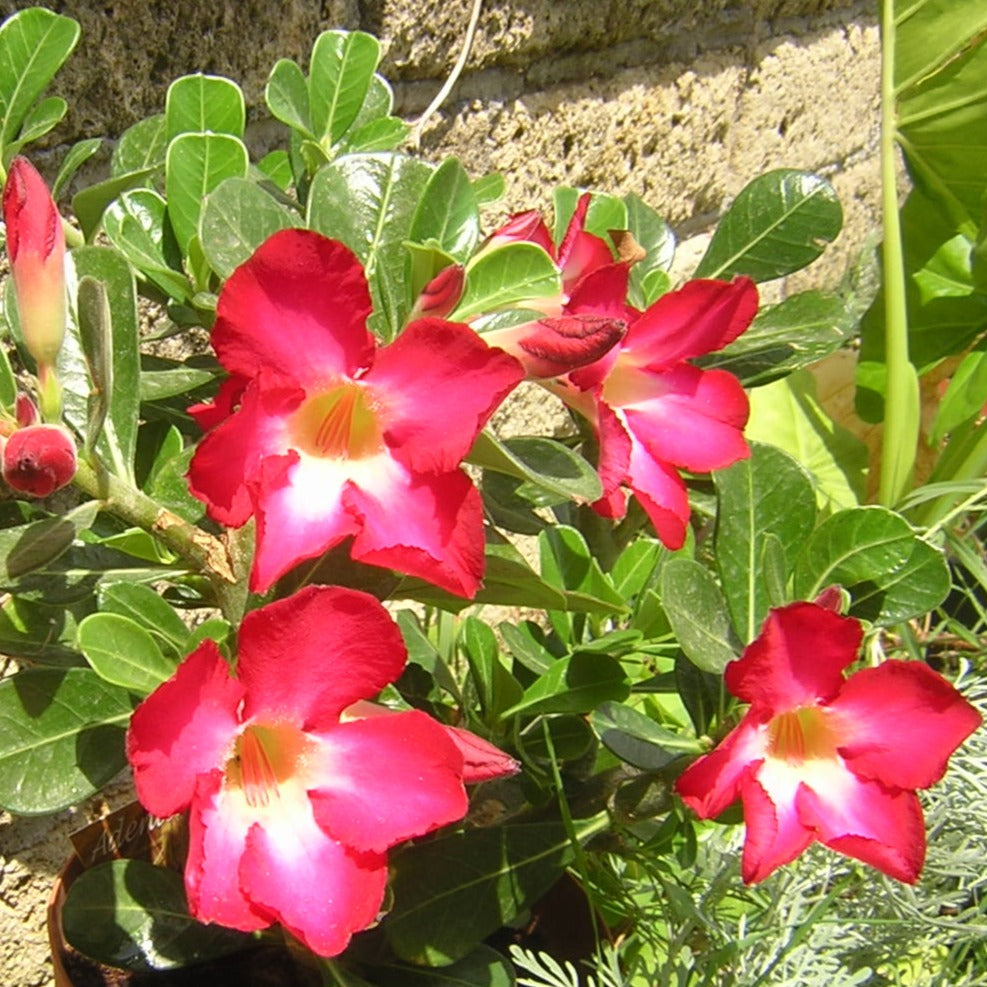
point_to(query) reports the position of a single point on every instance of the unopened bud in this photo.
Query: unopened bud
(39, 459)
(441, 295)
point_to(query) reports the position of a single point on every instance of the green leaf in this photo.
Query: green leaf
(61, 738)
(198, 103)
(35, 43)
(605, 213)
(340, 74)
(136, 225)
(41, 634)
(767, 494)
(496, 688)
(78, 154)
(506, 275)
(964, 397)
(286, 95)
(8, 383)
(236, 219)
(381, 192)
(276, 167)
(90, 203)
(452, 892)
(795, 333)
(488, 189)
(141, 146)
(697, 611)
(118, 440)
(653, 235)
(131, 914)
(576, 684)
(378, 135)
(522, 643)
(566, 562)
(26, 548)
(912, 590)
(547, 464)
(448, 213)
(635, 567)
(195, 165)
(787, 414)
(44, 117)
(123, 653)
(145, 607)
(637, 739)
(483, 967)
(778, 224)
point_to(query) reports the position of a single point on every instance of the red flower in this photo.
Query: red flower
(334, 436)
(655, 413)
(294, 802)
(39, 459)
(823, 757)
(36, 247)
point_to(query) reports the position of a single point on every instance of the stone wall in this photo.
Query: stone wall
(679, 101)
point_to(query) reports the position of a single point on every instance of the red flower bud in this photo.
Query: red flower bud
(36, 246)
(39, 459)
(441, 295)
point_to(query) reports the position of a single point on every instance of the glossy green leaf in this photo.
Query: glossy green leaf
(483, 967)
(26, 548)
(131, 914)
(286, 95)
(964, 397)
(506, 275)
(90, 203)
(96, 332)
(41, 634)
(569, 738)
(525, 646)
(605, 213)
(488, 189)
(118, 439)
(655, 237)
(145, 607)
(236, 219)
(198, 103)
(567, 562)
(448, 213)
(163, 379)
(378, 135)
(778, 224)
(576, 684)
(136, 224)
(452, 892)
(194, 166)
(77, 155)
(42, 118)
(35, 43)
(787, 414)
(637, 739)
(788, 336)
(340, 74)
(697, 611)
(767, 494)
(543, 462)
(496, 688)
(911, 590)
(381, 192)
(8, 383)
(61, 737)
(141, 146)
(276, 166)
(124, 653)
(635, 567)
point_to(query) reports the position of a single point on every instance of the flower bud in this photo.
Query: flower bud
(36, 247)
(441, 295)
(39, 459)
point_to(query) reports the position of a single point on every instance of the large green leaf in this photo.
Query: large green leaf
(122, 652)
(131, 914)
(27, 548)
(286, 95)
(198, 103)
(576, 684)
(448, 213)
(340, 74)
(41, 634)
(381, 193)
(451, 893)
(141, 146)
(507, 275)
(237, 218)
(567, 562)
(767, 494)
(655, 237)
(778, 224)
(637, 739)
(90, 203)
(35, 43)
(195, 165)
(911, 590)
(697, 611)
(118, 442)
(142, 605)
(61, 737)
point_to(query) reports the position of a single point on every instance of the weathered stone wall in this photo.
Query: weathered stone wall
(680, 101)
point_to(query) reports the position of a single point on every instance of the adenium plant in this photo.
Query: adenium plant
(266, 592)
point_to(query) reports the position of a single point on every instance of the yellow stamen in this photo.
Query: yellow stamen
(338, 424)
(801, 734)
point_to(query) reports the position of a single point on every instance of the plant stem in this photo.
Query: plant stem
(202, 551)
(901, 399)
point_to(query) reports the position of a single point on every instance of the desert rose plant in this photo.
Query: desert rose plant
(389, 681)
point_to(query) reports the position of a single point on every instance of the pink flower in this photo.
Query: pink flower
(293, 801)
(329, 436)
(36, 247)
(39, 459)
(823, 757)
(655, 413)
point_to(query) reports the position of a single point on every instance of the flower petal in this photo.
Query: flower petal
(437, 385)
(797, 660)
(481, 760)
(318, 889)
(701, 317)
(689, 417)
(580, 252)
(299, 306)
(864, 819)
(306, 658)
(899, 723)
(426, 526)
(713, 782)
(523, 226)
(185, 728)
(774, 833)
(661, 492)
(384, 779)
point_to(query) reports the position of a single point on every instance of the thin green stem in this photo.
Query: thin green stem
(901, 401)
